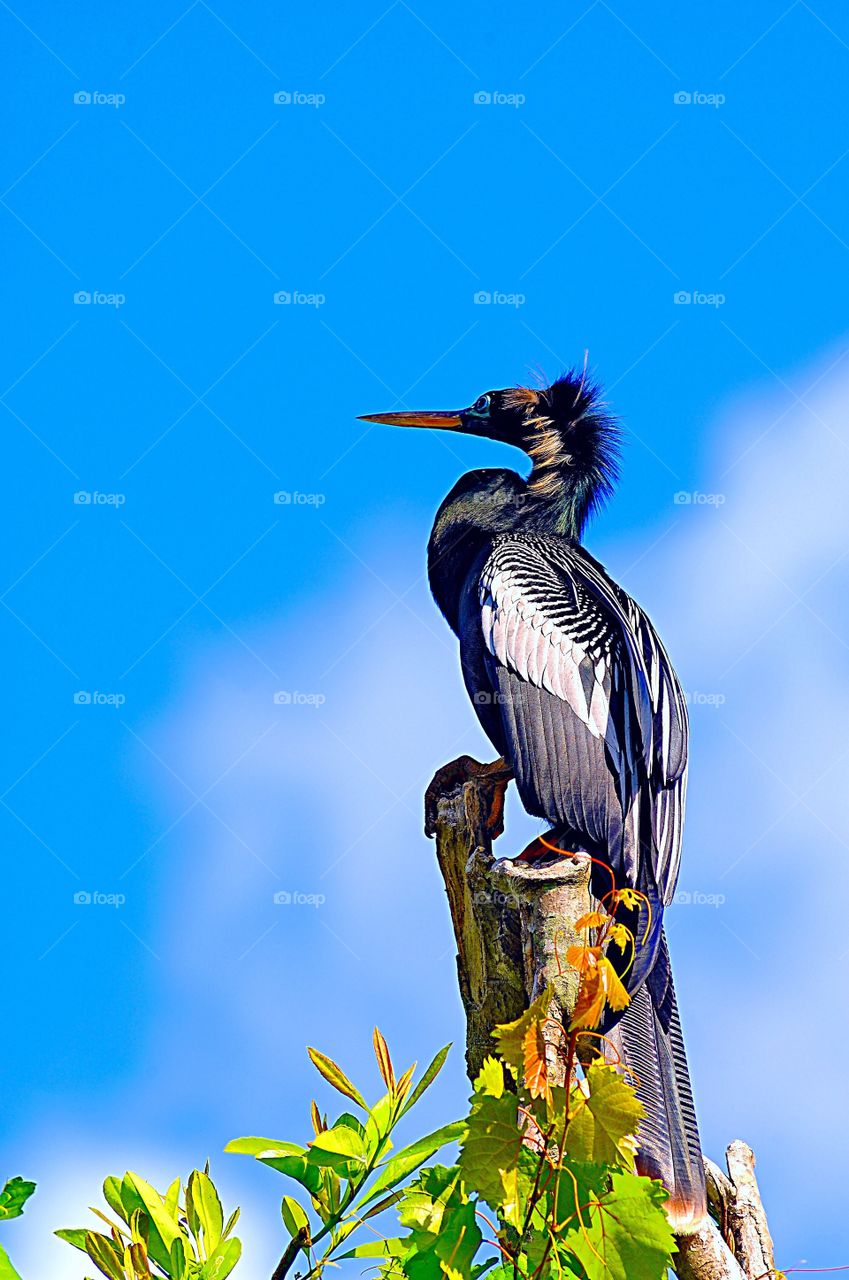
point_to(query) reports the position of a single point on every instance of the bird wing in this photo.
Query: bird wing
(551, 616)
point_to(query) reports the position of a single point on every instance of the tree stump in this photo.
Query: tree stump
(513, 922)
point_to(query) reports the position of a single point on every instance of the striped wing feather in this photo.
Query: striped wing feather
(551, 616)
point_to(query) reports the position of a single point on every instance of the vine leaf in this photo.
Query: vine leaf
(604, 1126)
(490, 1152)
(629, 1237)
(536, 1066)
(510, 1037)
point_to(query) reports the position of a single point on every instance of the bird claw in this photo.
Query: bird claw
(492, 779)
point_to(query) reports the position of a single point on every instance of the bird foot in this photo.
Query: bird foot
(546, 846)
(492, 780)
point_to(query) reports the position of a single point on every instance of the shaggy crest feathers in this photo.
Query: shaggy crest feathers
(573, 444)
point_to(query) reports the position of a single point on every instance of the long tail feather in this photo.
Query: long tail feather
(650, 1040)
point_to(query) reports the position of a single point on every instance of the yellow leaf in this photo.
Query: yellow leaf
(630, 898)
(334, 1075)
(384, 1062)
(617, 996)
(536, 1066)
(620, 935)
(593, 920)
(583, 959)
(405, 1081)
(490, 1078)
(590, 1003)
(510, 1037)
(511, 1204)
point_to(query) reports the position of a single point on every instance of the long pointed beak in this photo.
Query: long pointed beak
(435, 419)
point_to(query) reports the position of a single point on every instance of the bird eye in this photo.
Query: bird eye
(481, 406)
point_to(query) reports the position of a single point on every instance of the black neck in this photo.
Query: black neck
(482, 505)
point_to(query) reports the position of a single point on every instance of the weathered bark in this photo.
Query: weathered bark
(746, 1216)
(513, 921)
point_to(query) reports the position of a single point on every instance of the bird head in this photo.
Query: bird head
(564, 430)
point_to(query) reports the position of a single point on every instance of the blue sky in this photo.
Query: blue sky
(582, 167)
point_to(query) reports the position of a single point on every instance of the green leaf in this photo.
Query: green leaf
(603, 1128)
(409, 1158)
(331, 1191)
(382, 1205)
(444, 1236)
(424, 1201)
(172, 1200)
(377, 1249)
(379, 1123)
(14, 1196)
(222, 1261)
(112, 1196)
(334, 1075)
(428, 1078)
(105, 1254)
(207, 1207)
(179, 1259)
(490, 1152)
(73, 1235)
(629, 1237)
(136, 1193)
(347, 1121)
(517, 1185)
(263, 1147)
(338, 1147)
(7, 1271)
(297, 1167)
(294, 1217)
(480, 1269)
(579, 1187)
(458, 1241)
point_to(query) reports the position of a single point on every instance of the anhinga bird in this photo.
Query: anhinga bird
(574, 689)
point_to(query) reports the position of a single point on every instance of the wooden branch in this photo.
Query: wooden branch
(752, 1240)
(513, 921)
(704, 1255)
